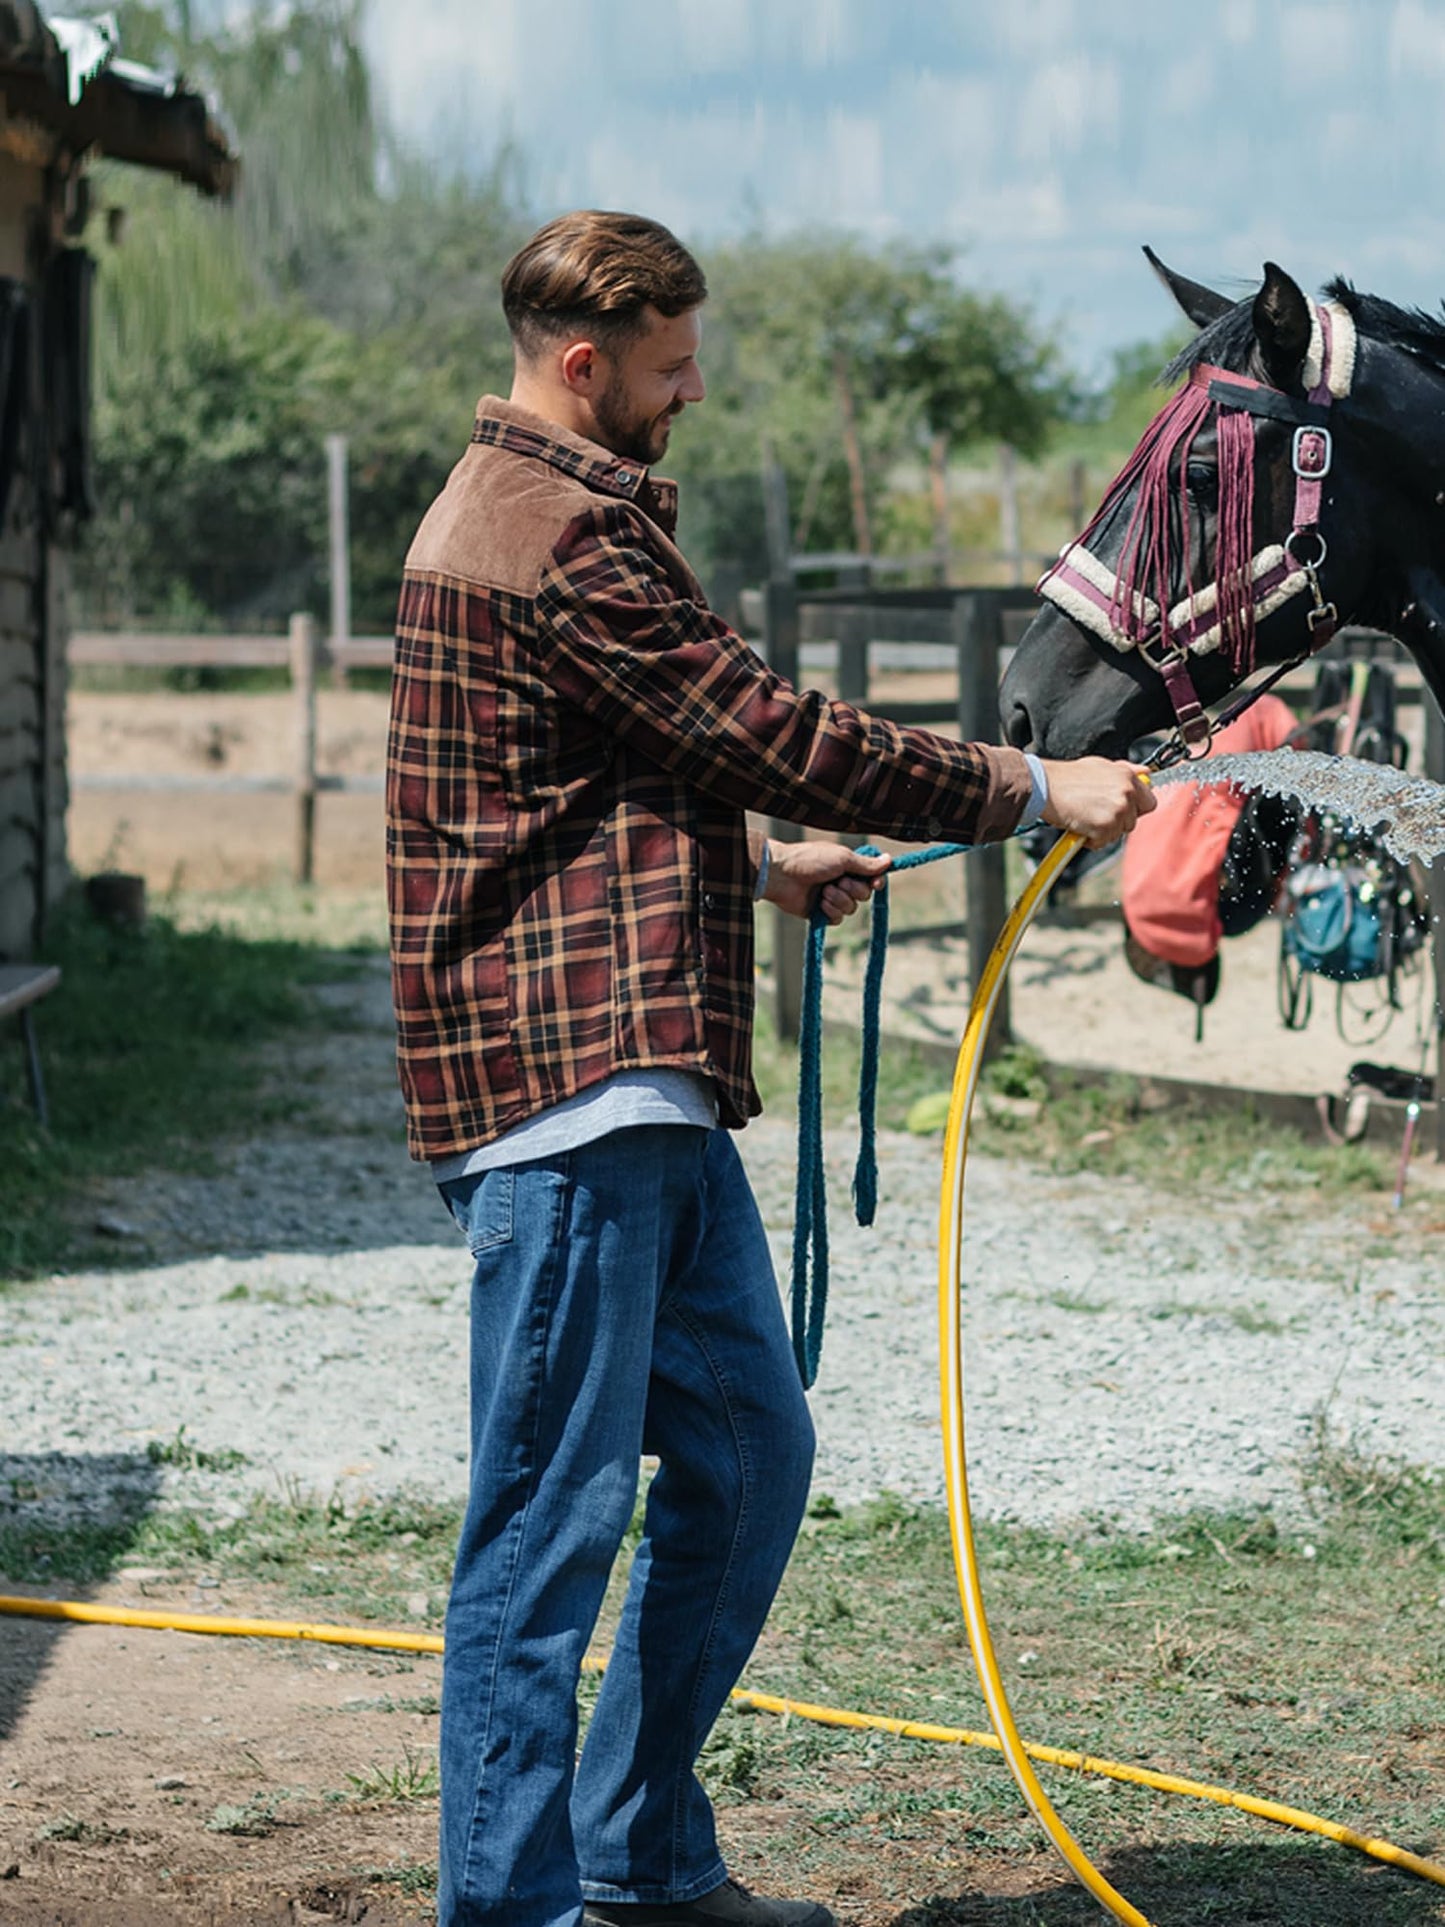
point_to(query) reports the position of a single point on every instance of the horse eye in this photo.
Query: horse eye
(1202, 481)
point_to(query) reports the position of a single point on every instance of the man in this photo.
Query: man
(575, 739)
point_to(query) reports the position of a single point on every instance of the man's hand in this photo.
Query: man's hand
(1100, 800)
(831, 875)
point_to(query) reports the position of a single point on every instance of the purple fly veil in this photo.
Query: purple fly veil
(1144, 561)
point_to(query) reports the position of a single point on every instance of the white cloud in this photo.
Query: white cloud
(1416, 40)
(1032, 26)
(1067, 105)
(714, 36)
(943, 131)
(1318, 43)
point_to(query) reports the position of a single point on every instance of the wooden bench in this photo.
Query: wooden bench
(21, 988)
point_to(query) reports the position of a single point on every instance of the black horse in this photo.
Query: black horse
(1325, 424)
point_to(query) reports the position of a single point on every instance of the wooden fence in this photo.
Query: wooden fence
(301, 653)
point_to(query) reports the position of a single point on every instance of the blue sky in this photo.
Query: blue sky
(1046, 138)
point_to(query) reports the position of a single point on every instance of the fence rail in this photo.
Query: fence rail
(302, 654)
(141, 649)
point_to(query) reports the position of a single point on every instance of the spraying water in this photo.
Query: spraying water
(1406, 813)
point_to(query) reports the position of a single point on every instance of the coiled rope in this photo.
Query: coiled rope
(810, 1208)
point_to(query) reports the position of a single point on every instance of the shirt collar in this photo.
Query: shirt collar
(502, 424)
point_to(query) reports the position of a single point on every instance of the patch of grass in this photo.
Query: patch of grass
(427, 1704)
(1078, 1301)
(1253, 1319)
(67, 1827)
(252, 1820)
(150, 1051)
(363, 1560)
(1106, 1128)
(1399, 1505)
(187, 1456)
(323, 1557)
(410, 1877)
(413, 1777)
(38, 1547)
(353, 921)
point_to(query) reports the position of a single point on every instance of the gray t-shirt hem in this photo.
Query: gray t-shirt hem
(619, 1102)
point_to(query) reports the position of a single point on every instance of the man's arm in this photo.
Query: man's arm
(662, 671)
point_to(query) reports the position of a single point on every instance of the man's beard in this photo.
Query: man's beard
(640, 438)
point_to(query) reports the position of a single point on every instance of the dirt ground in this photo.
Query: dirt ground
(219, 1777)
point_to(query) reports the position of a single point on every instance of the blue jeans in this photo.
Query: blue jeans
(624, 1302)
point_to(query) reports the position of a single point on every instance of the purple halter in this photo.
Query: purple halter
(1130, 606)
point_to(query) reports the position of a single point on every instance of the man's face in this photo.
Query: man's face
(649, 382)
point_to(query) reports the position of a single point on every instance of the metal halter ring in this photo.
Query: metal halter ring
(1317, 562)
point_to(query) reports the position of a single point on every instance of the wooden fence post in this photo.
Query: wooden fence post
(338, 516)
(853, 638)
(1009, 527)
(304, 652)
(1435, 770)
(777, 517)
(977, 633)
(780, 635)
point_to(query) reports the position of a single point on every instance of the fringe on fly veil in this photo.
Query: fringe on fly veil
(1142, 576)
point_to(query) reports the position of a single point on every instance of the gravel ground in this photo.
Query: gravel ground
(307, 1308)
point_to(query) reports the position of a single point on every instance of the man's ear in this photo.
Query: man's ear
(579, 366)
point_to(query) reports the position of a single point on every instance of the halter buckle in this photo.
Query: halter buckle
(1313, 452)
(1170, 661)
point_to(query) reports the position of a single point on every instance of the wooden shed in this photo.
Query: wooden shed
(66, 96)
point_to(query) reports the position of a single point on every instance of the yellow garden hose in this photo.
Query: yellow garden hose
(950, 1350)
(1018, 1753)
(81, 1612)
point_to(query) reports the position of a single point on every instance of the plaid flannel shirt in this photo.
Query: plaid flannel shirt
(575, 738)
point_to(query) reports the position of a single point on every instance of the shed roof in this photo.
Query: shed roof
(64, 78)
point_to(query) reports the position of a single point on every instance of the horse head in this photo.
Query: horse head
(1295, 482)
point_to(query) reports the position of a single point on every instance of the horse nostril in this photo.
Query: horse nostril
(1018, 728)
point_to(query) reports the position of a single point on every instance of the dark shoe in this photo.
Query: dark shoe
(730, 1905)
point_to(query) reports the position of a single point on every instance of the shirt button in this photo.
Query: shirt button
(709, 902)
(624, 478)
(933, 828)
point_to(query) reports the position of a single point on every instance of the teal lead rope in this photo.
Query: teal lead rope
(810, 1215)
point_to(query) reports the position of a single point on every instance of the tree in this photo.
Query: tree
(849, 359)
(230, 342)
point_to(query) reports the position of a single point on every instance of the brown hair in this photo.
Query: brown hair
(594, 272)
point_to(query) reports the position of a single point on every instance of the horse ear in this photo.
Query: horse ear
(1282, 325)
(1201, 304)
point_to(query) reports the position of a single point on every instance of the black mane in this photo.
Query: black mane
(1228, 341)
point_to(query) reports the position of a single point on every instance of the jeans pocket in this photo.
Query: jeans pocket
(482, 1207)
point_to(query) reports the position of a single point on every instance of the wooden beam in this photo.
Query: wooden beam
(1435, 770)
(780, 636)
(977, 633)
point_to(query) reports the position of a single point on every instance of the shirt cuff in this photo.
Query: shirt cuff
(1039, 796)
(765, 863)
